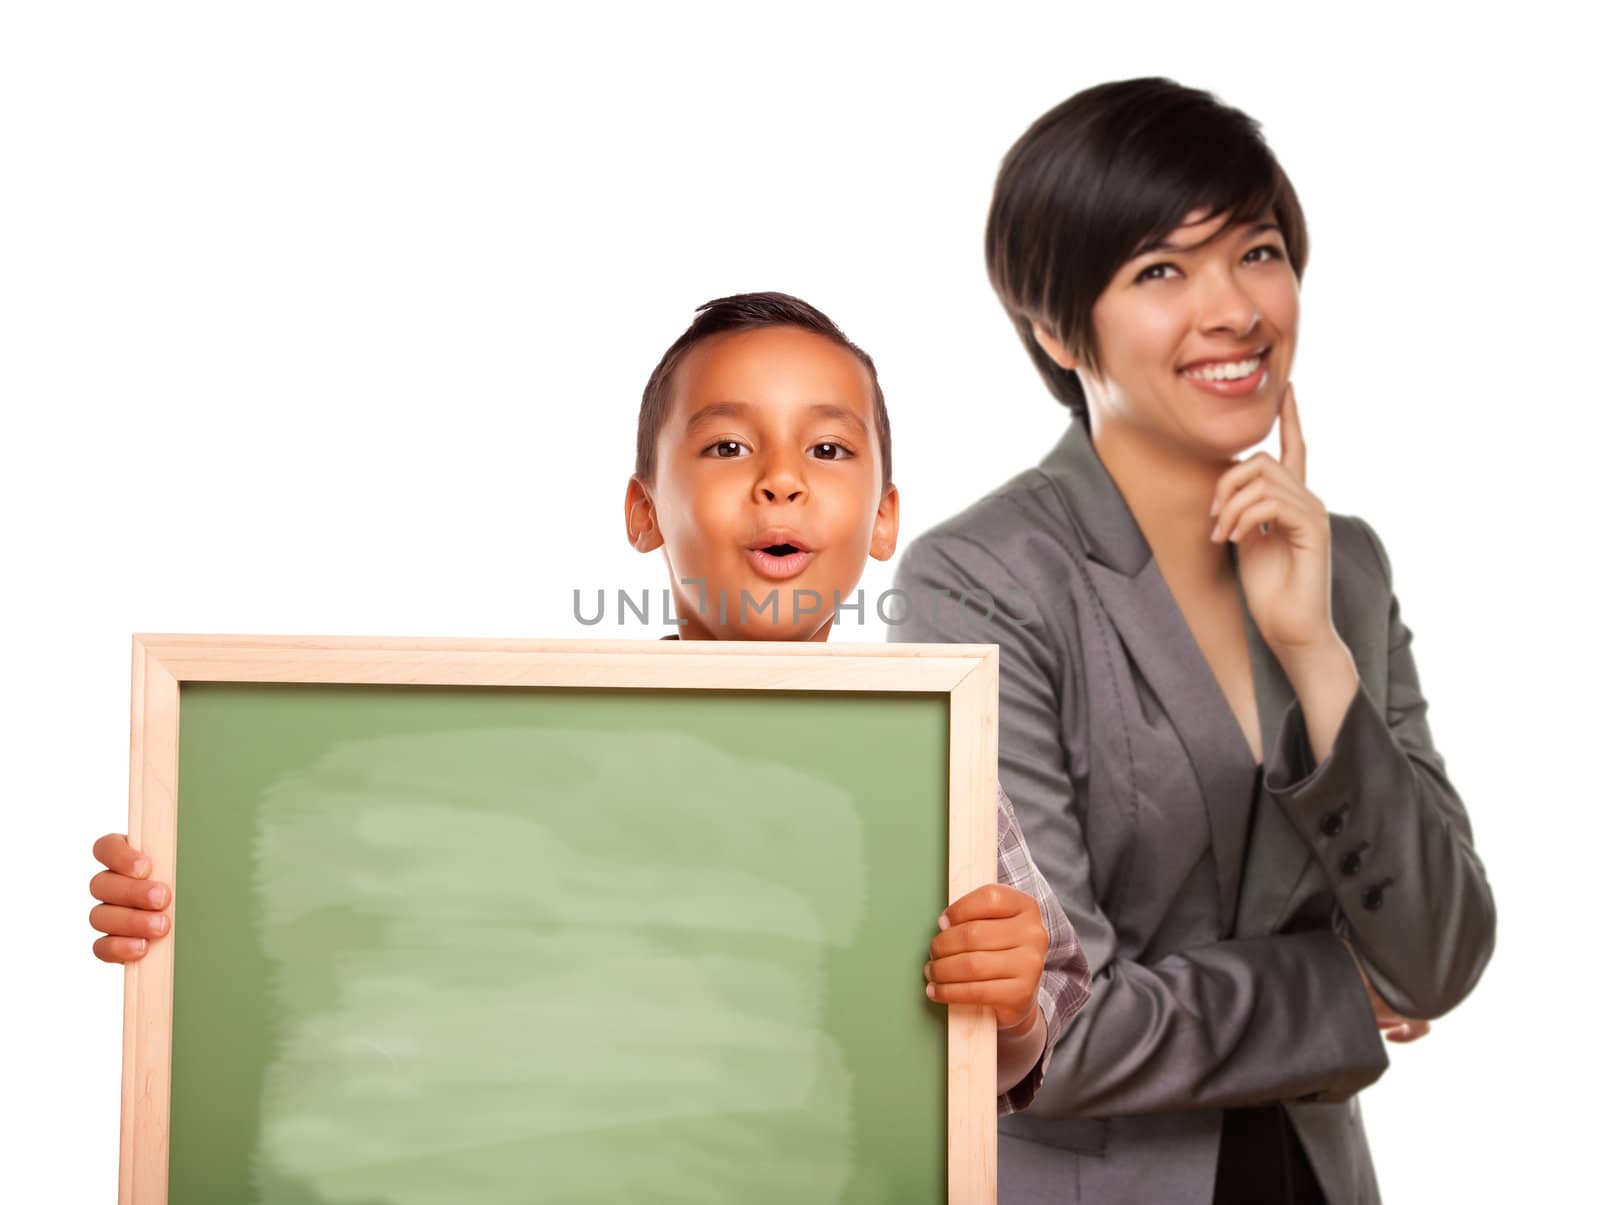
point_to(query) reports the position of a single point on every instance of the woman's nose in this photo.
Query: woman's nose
(1226, 306)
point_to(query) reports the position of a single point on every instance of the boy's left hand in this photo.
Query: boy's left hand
(991, 951)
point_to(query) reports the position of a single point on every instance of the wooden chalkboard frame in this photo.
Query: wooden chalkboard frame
(967, 674)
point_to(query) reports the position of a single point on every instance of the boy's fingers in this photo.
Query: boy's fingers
(120, 949)
(985, 991)
(985, 964)
(127, 922)
(1012, 933)
(116, 888)
(989, 902)
(975, 935)
(114, 852)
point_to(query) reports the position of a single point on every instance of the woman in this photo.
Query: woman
(1211, 725)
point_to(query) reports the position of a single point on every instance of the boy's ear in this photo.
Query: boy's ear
(643, 533)
(1054, 348)
(886, 526)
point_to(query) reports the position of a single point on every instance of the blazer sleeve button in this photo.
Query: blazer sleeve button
(1372, 899)
(1332, 824)
(1351, 865)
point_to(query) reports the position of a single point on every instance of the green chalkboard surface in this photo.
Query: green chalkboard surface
(491, 945)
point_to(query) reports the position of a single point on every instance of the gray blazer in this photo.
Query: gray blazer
(1210, 911)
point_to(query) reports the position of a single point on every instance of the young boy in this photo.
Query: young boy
(763, 458)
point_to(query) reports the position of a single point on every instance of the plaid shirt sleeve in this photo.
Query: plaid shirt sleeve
(1064, 984)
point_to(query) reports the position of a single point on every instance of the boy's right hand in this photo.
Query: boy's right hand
(134, 911)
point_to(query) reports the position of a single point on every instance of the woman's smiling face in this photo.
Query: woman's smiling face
(1195, 337)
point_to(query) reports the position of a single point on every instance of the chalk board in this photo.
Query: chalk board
(483, 922)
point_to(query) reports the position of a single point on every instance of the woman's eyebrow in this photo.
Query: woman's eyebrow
(1165, 247)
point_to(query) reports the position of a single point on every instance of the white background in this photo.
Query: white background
(334, 319)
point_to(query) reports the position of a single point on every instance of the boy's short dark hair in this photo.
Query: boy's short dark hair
(744, 312)
(1107, 173)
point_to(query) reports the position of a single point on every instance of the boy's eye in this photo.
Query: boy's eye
(726, 449)
(832, 451)
(1157, 272)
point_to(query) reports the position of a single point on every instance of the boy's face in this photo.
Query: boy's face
(769, 441)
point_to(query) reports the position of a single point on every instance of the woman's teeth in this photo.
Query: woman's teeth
(1237, 370)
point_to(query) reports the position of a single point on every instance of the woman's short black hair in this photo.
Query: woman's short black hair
(1105, 174)
(745, 312)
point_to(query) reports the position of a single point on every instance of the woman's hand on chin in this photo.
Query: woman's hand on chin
(1281, 531)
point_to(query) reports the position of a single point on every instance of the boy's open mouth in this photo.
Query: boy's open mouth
(777, 555)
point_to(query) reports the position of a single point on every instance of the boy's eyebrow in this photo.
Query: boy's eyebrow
(741, 409)
(838, 414)
(716, 410)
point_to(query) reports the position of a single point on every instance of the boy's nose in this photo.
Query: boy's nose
(780, 482)
(775, 493)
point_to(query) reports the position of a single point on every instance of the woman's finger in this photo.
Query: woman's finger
(120, 949)
(116, 888)
(1291, 439)
(113, 852)
(1246, 496)
(1268, 510)
(1235, 477)
(1407, 1031)
(127, 922)
(1260, 466)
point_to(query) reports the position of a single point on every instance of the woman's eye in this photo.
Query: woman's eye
(1157, 272)
(832, 451)
(1264, 252)
(726, 449)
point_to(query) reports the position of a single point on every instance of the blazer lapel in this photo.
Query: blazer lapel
(1276, 858)
(1158, 640)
